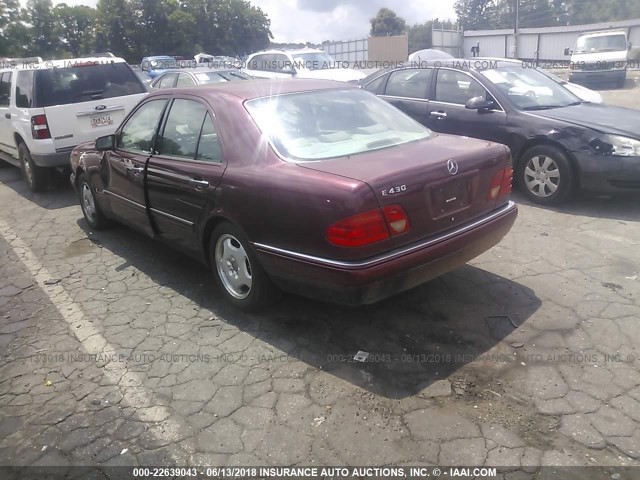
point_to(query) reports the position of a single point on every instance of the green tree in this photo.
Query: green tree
(115, 28)
(74, 27)
(41, 18)
(386, 22)
(10, 16)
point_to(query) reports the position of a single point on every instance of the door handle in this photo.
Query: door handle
(7, 115)
(439, 114)
(199, 183)
(135, 169)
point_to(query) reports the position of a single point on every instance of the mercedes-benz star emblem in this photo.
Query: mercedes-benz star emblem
(452, 167)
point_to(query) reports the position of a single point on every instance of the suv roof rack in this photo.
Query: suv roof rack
(25, 60)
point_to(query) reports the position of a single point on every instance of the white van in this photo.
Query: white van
(600, 57)
(49, 107)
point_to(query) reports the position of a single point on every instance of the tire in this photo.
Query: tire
(90, 208)
(545, 175)
(237, 272)
(37, 178)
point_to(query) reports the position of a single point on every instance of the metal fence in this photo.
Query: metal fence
(447, 41)
(545, 43)
(350, 50)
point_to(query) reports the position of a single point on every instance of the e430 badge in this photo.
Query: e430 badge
(394, 190)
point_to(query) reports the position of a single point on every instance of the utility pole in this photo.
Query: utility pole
(515, 32)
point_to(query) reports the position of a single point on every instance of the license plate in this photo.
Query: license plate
(101, 121)
(450, 197)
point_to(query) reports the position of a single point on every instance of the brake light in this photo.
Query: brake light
(396, 219)
(501, 184)
(369, 227)
(40, 127)
(507, 182)
(361, 229)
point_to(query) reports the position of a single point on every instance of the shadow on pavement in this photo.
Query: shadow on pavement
(619, 207)
(58, 195)
(413, 339)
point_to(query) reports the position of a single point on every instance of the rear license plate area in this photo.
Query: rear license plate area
(450, 197)
(101, 121)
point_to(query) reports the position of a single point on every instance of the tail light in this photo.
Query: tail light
(40, 127)
(369, 227)
(501, 184)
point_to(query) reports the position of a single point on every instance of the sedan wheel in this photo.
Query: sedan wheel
(542, 176)
(234, 267)
(90, 208)
(238, 272)
(545, 175)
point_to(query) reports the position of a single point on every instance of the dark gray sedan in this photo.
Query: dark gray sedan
(558, 141)
(197, 76)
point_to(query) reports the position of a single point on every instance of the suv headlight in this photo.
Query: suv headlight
(616, 145)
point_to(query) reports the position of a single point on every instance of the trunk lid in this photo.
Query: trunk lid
(417, 177)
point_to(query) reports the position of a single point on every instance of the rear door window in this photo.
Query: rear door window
(5, 89)
(412, 83)
(184, 80)
(182, 129)
(76, 84)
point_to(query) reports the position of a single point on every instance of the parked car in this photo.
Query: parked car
(158, 64)
(600, 57)
(47, 108)
(316, 187)
(558, 141)
(303, 63)
(189, 77)
(429, 54)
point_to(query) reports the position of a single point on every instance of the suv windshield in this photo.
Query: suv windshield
(314, 61)
(60, 86)
(528, 89)
(332, 123)
(603, 43)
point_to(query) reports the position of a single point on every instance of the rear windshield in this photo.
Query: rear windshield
(332, 123)
(60, 86)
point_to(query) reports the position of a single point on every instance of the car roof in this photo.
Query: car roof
(199, 70)
(603, 34)
(292, 51)
(261, 88)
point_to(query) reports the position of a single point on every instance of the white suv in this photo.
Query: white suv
(49, 107)
(304, 63)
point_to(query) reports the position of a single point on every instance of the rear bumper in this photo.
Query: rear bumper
(368, 281)
(58, 159)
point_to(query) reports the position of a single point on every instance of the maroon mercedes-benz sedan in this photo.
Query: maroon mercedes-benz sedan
(316, 187)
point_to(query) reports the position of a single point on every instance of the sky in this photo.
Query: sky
(318, 20)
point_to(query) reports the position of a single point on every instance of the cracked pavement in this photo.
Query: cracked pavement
(116, 350)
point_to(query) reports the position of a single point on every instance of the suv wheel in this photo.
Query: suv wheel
(35, 176)
(545, 175)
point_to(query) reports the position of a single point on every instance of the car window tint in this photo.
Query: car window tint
(24, 89)
(209, 146)
(258, 62)
(377, 85)
(5, 88)
(60, 86)
(412, 83)
(138, 133)
(182, 129)
(457, 87)
(184, 80)
(280, 62)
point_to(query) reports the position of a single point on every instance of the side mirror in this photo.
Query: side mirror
(108, 142)
(568, 51)
(479, 103)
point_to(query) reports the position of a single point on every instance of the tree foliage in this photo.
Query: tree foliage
(386, 22)
(132, 28)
